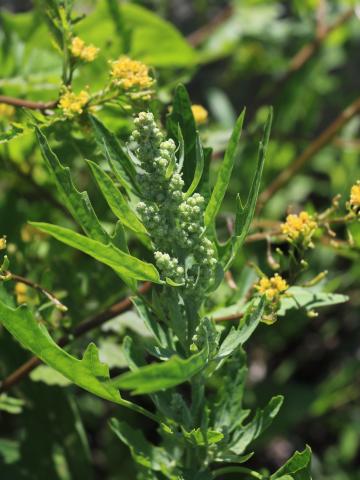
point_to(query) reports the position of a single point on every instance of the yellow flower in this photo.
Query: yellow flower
(21, 292)
(355, 196)
(130, 74)
(272, 287)
(79, 49)
(6, 110)
(300, 226)
(200, 114)
(72, 104)
(2, 243)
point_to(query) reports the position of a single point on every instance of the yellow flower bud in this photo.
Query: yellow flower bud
(130, 74)
(200, 114)
(80, 50)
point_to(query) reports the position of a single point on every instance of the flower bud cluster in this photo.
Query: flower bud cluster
(174, 222)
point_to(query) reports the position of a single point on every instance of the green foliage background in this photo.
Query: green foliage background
(237, 61)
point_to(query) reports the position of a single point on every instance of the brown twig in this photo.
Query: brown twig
(17, 278)
(197, 37)
(78, 331)
(19, 102)
(306, 53)
(315, 146)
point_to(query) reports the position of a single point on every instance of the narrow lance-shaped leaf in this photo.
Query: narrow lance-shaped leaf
(224, 173)
(88, 373)
(115, 199)
(199, 167)
(78, 203)
(160, 376)
(181, 116)
(245, 214)
(115, 155)
(122, 263)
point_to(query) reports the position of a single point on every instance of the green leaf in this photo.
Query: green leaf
(11, 133)
(198, 437)
(78, 203)
(122, 263)
(160, 376)
(224, 173)
(245, 214)
(150, 321)
(115, 199)
(261, 421)
(87, 373)
(143, 452)
(118, 160)
(237, 337)
(199, 167)
(181, 119)
(299, 466)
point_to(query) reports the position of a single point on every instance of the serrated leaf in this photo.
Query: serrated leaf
(198, 437)
(160, 376)
(114, 153)
(260, 422)
(142, 451)
(298, 466)
(122, 263)
(115, 199)
(245, 214)
(224, 174)
(78, 203)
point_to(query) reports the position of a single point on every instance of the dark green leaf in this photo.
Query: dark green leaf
(299, 466)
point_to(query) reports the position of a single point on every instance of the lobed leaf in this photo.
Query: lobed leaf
(299, 466)
(78, 203)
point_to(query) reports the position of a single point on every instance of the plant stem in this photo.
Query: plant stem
(246, 471)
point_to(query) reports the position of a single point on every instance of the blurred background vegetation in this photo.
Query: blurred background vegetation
(300, 56)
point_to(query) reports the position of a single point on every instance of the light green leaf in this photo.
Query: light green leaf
(50, 376)
(115, 199)
(198, 437)
(224, 173)
(10, 404)
(118, 160)
(78, 203)
(299, 466)
(261, 421)
(245, 214)
(309, 299)
(13, 132)
(122, 263)
(160, 376)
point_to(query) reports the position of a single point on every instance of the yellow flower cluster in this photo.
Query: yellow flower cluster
(272, 287)
(130, 74)
(355, 196)
(79, 49)
(2, 243)
(72, 104)
(6, 110)
(21, 292)
(200, 114)
(300, 226)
